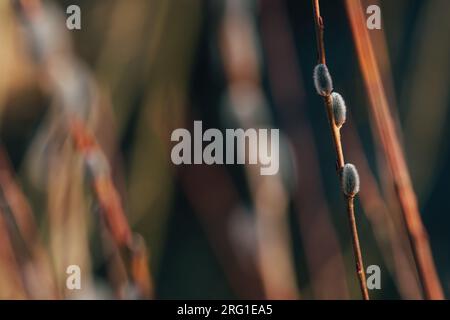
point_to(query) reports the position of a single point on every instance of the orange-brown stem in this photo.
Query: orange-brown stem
(357, 249)
(340, 162)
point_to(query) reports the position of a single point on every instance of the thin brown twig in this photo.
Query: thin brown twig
(357, 248)
(131, 246)
(384, 128)
(327, 99)
(319, 32)
(326, 266)
(12, 270)
(269, 194)
(340, 163)
(391, 237)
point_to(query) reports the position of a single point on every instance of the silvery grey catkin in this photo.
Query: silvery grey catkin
(350, 180)
(322, 80)
(97, 165)
(339, 109)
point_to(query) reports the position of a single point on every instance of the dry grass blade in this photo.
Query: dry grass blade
(384, 128)
(269, 194)
(132, 246)
(55, 59)
(23, 234)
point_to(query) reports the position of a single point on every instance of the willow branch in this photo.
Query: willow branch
(340, 162)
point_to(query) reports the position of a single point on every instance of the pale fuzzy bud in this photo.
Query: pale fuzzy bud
(322, 80)
(339, 109)
(350, 180)
(97, 165)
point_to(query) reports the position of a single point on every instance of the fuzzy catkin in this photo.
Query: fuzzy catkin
(322, 80)
(96, 164)
(339, 109)
(350, 180)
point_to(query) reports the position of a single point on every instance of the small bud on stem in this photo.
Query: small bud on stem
(322, 80)
(350, 180)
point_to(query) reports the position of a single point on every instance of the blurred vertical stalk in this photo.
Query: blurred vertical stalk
(239, 48)
(325, 266)
(384, 128)
(22, 229)
(11, 272)
(77, 101)
(381, 204)
(427, 85)
(217, 215)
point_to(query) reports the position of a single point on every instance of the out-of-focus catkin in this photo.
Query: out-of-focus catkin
(96, 164)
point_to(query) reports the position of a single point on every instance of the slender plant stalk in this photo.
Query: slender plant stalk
(309, 201)
(268, 193)
(23, 232)
(336, 135)
(357, 248)
(335, 132)
(384, 128)
(10, 261)
(394, 244)
(131, 245)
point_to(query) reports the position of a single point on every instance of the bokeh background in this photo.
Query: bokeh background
(147, 67)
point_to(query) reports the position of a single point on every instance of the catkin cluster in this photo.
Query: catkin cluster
(324, 87)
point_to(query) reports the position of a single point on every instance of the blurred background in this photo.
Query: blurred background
(139, 69)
